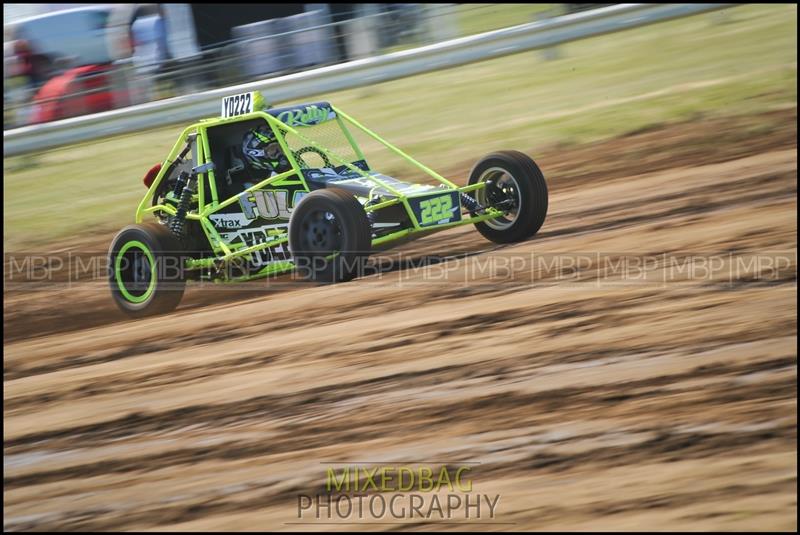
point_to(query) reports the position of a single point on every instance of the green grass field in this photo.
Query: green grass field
(741, 61)
(477, 18)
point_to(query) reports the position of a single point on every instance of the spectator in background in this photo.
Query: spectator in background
(150, 48)
(25, 72)
(34, 67)
(161, 38)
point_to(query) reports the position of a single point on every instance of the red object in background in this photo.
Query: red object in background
(151, 175)
(78, 91)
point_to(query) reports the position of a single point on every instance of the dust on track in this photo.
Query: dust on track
(591, 401)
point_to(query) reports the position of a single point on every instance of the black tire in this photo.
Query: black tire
(526, 185)
(141, 287)
(324, 222)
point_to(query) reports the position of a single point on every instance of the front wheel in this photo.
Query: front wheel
(146, 273)
(329, 236)
(514, 185)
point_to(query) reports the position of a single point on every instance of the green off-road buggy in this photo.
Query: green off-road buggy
(260, 191)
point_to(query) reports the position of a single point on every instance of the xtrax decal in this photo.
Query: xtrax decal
(229, 220)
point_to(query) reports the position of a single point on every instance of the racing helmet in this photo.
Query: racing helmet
(261, 149)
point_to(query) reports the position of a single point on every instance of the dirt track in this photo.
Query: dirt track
(659, 397)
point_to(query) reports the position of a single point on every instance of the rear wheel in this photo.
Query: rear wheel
(329, 236)
(514, 185)
(146, 273)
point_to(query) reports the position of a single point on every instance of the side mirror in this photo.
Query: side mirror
(202, 169)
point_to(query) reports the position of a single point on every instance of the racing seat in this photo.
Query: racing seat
(238, 175)
(234, 163)
(232, 172)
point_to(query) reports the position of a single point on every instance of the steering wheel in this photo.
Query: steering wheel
(298, 154)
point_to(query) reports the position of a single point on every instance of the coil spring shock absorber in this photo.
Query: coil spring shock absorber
(468, 202)
(176, 223)
(471, 204)
(180, 183)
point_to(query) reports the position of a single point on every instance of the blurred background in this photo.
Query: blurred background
(63, 60)
(86, 59)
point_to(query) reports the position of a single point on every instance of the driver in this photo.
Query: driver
(262, 151)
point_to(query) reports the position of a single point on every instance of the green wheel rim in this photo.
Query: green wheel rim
(118, 271)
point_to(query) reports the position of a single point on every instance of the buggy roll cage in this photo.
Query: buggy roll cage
(208, 201)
